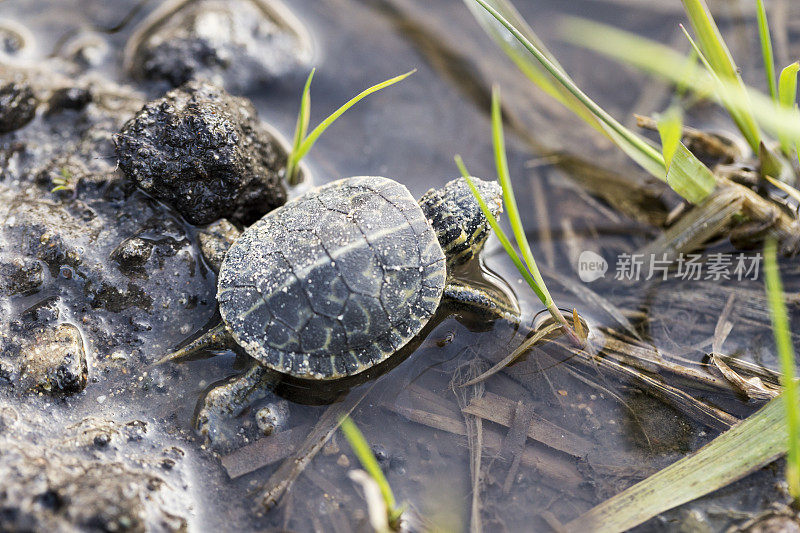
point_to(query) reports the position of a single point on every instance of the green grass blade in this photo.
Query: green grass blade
(501, 235)
(734, 98)
(787, 96)
(309, 141)
(534, 70)
(362, 450)
(783, 341)
(531, 68)
(766, 48)
(686, 174)
(711, 41)
(636, 147)
(503, 174)
(300, 130)
(670, 128)
(689, 177)
(305, 112)
(772, 164)
(650, 56)
(722, 65)
(746, 447)
(498, 142)
(661, 61)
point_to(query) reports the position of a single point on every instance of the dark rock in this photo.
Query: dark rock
(17, 106)
(55, 361)
(20, 275)
(101, 440)
(42, 313)
(204, 152)
(235, 43)
(114, 299)
(68, 99)
(132, 254)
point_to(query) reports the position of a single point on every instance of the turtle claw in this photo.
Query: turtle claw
(217, 337)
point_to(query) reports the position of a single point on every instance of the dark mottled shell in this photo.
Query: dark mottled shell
(335, 281)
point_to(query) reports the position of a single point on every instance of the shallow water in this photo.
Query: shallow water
(616, 434)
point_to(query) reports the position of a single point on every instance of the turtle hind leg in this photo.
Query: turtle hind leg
(217, 412)
(484, 302)
(216, 338)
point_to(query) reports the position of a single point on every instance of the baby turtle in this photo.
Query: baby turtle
(339, 279)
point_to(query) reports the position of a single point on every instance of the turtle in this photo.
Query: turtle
(339, 279)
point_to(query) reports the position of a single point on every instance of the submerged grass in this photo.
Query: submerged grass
(302, 143)
(529, 270)
(368, 461)
(760, 439)
(783, 342)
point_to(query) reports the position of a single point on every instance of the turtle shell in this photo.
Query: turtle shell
(334, 281)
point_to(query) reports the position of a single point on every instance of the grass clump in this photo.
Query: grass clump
(528, 269)
(62, 182)
(783, 341)
(368, 461)
(302, 143)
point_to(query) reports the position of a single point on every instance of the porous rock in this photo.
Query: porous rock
(205, 153)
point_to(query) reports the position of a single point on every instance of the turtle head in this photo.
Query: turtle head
(457, 218)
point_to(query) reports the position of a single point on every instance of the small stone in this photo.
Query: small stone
(331, 447)
(380, 453)
(132, 254)
(55, 361)
(343, 461)
(237, 43)
(17, 106)
(68, 99)
(8, 418)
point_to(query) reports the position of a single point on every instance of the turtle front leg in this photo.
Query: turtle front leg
(228, 400)
(483, 301)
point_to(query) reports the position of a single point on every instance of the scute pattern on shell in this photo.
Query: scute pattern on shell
(335, 281)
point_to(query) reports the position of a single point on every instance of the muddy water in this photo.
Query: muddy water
(601, 432)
